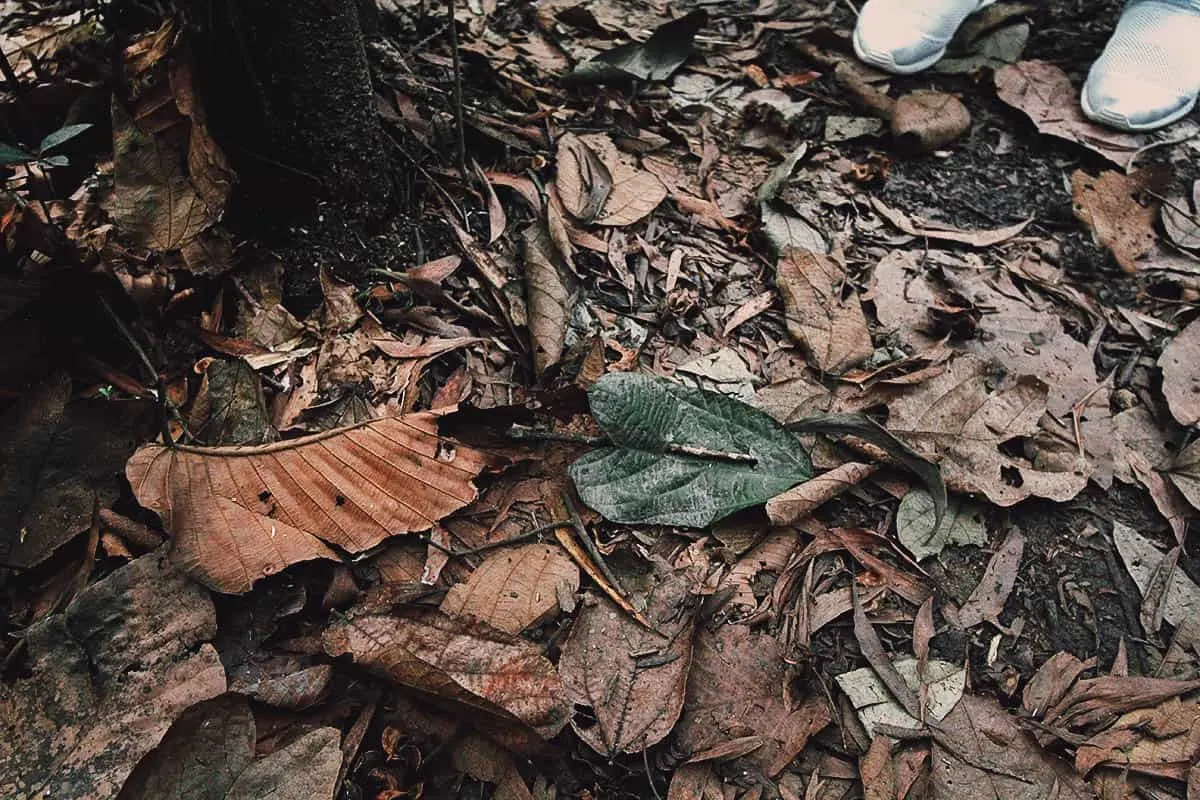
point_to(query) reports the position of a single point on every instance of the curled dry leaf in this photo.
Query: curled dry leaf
(930, 230)
(631, 677)
(833, 330)
(478, 668)
(737, 688)
(599, 184)
(1181, 378)
(514, 589)
(800, 501)
(999, 577)
(956, 416)
(1181, 219)
(1112, 206)
(107, 678)
(547, 297)
(1045, 94)
(238, 514)
(924, 121)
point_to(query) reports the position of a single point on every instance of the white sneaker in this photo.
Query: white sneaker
(906, 36)
(1149, 73)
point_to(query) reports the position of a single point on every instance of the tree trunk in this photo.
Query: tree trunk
(288, 90)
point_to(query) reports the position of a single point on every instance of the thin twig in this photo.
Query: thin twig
(522, 537)
(533, 434)
(593, 551)
(458, 93)
(151, 373)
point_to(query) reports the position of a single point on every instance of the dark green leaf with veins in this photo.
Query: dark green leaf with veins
(682, 456)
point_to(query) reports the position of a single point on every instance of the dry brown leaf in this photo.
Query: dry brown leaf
(1162, 741)
(1180, 364)
(979, 744)
(631, 677)
(833, 330)
(1110, 205)
(915, 226)
(986, 602)
(484, 760)
(1050, 684)
(306, 769)
(748, 311)
(153, 203)
(1044, 92)
(877, 770)
(696, 782)
(201, 755)
(238, 514)
(769, 555)
(590, 163)
(1184, 473)
(514, 589)
(107, 678)
(955, 417)
(482, 670)
(1092, 704)
(737, 688)
(799, 502)
(924, 121)
(547, 297)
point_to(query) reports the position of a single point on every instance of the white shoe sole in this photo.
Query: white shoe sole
(1161, 122)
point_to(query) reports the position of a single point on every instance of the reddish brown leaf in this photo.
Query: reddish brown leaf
(1162, 741)
(833, 330)
(600, 184)
(474, 666)
(737, 688)
(802, 500)
(238, 514)
(514, 589)
(930, 230)
(878, 771)
(696, 782)
(924, 121)
(1111, 205)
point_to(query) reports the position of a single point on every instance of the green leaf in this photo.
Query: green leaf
(652, 60)
(739, 456)
(62, 136)
(14, 155)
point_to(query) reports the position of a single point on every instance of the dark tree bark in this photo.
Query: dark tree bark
(287, 87)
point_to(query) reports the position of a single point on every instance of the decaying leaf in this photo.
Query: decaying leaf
(238, 514)
(1181, 377)
(1181, 599)
(547, 297)
(1119, 211)
(1044, 92)
(924, 121)
(957, 417)
(107, 678)
(154, 203)
(919, 532)
(1184, 473)
(630, 677)
(875, 704)
(979, 744)
(484, 671)
(201, 755)
(1181, 219)
(653, 60)
(986, 603)
(738, 457)
(833, 330)
(737, 688)
(930, 230)
(306, 769)
(514, 589)
(484, 760)
(600, 184)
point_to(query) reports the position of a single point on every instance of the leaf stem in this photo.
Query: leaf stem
(533, 434)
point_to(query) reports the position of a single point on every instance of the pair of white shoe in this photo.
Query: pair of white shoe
(1147, 77)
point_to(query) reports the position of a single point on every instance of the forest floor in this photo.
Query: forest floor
(322, 512)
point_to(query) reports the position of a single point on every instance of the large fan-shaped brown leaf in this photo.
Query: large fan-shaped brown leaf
(238, 514)
(472, 665)
(514, 589)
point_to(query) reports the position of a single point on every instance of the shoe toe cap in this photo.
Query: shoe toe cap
(1133, 104)
(893, 48)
